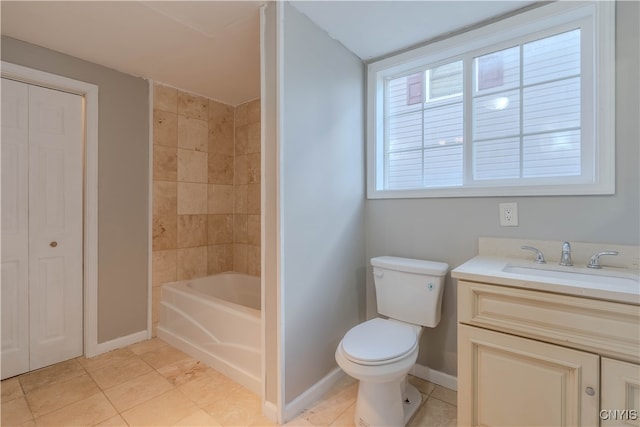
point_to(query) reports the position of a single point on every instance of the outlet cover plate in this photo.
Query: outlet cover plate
(509, 214)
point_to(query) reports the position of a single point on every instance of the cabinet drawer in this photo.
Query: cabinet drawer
(607, 328)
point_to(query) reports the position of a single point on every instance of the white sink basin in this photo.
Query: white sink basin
(603, 279)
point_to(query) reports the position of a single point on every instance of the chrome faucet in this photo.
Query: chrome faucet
(595, 260)
(539, 256)
(565, 259)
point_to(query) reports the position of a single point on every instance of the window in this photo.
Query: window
(521, 107)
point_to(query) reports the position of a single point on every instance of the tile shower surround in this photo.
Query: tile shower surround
(206, 188)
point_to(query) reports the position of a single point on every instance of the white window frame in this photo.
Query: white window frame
(539, 20)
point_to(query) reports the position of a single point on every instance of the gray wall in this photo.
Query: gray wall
(448, 229)
(322, 199)
(123, 180)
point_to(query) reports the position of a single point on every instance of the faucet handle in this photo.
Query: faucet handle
(539, 255)
(565, 258)
(594, 262)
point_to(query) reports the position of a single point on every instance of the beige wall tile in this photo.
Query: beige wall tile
(240, 228)
(165, 128)
(220, 258)
(240, 199)
(253, 260)
(220, 169)
(220, 229)
(240, 175)
(192, 166)
(253, 138)
(165, 198)
(253, 230)
(253, 168)
(165, 163)
(165, 232)
(220, 199)
(253, 111)
(220, 113)
(192, 262)
(163, 267)
(241, 115)
(221, 128)
(192, 198)
(241, 140)
(192, 231)
(193, 106)
(253, 199)
(193, 134)
(165, 98)
(240, 257)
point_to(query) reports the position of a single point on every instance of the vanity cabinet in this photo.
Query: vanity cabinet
(527, 357)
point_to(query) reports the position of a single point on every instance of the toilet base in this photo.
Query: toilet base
(386, 404)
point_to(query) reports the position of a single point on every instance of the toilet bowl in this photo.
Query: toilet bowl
(384, 396)
(380, 352)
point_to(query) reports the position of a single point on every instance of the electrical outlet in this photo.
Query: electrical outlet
(509, 214)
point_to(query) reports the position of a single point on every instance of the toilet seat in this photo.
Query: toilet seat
(379, 341)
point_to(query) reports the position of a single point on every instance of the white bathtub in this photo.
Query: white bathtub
(216, 319)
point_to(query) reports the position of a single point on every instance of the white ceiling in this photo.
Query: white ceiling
(212, 48)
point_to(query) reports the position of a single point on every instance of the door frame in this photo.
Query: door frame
(89, 92)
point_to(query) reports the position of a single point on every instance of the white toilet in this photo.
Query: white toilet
(381, 352)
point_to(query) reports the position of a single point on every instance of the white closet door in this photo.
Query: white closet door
(55, 226)
(15, 228)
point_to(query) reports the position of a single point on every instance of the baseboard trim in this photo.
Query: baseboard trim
(436, 377)
(120, 342)
(311, 395)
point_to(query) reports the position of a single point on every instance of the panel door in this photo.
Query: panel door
(15, 228)
(55, 226)
(620, 393)
(504, 380)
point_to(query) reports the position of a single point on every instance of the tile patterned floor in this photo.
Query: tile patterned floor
(153, 384)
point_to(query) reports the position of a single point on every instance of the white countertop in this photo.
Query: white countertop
(612, 284)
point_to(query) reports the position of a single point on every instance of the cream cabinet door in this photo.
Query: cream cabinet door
(620, 393)
(504, 380)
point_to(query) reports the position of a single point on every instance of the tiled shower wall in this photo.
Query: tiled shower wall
(206, 188)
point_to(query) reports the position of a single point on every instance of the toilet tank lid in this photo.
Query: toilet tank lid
(409, 265)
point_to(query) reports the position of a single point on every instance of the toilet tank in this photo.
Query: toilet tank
(409, 290)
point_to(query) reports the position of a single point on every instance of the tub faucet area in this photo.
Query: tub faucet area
(565, 259)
